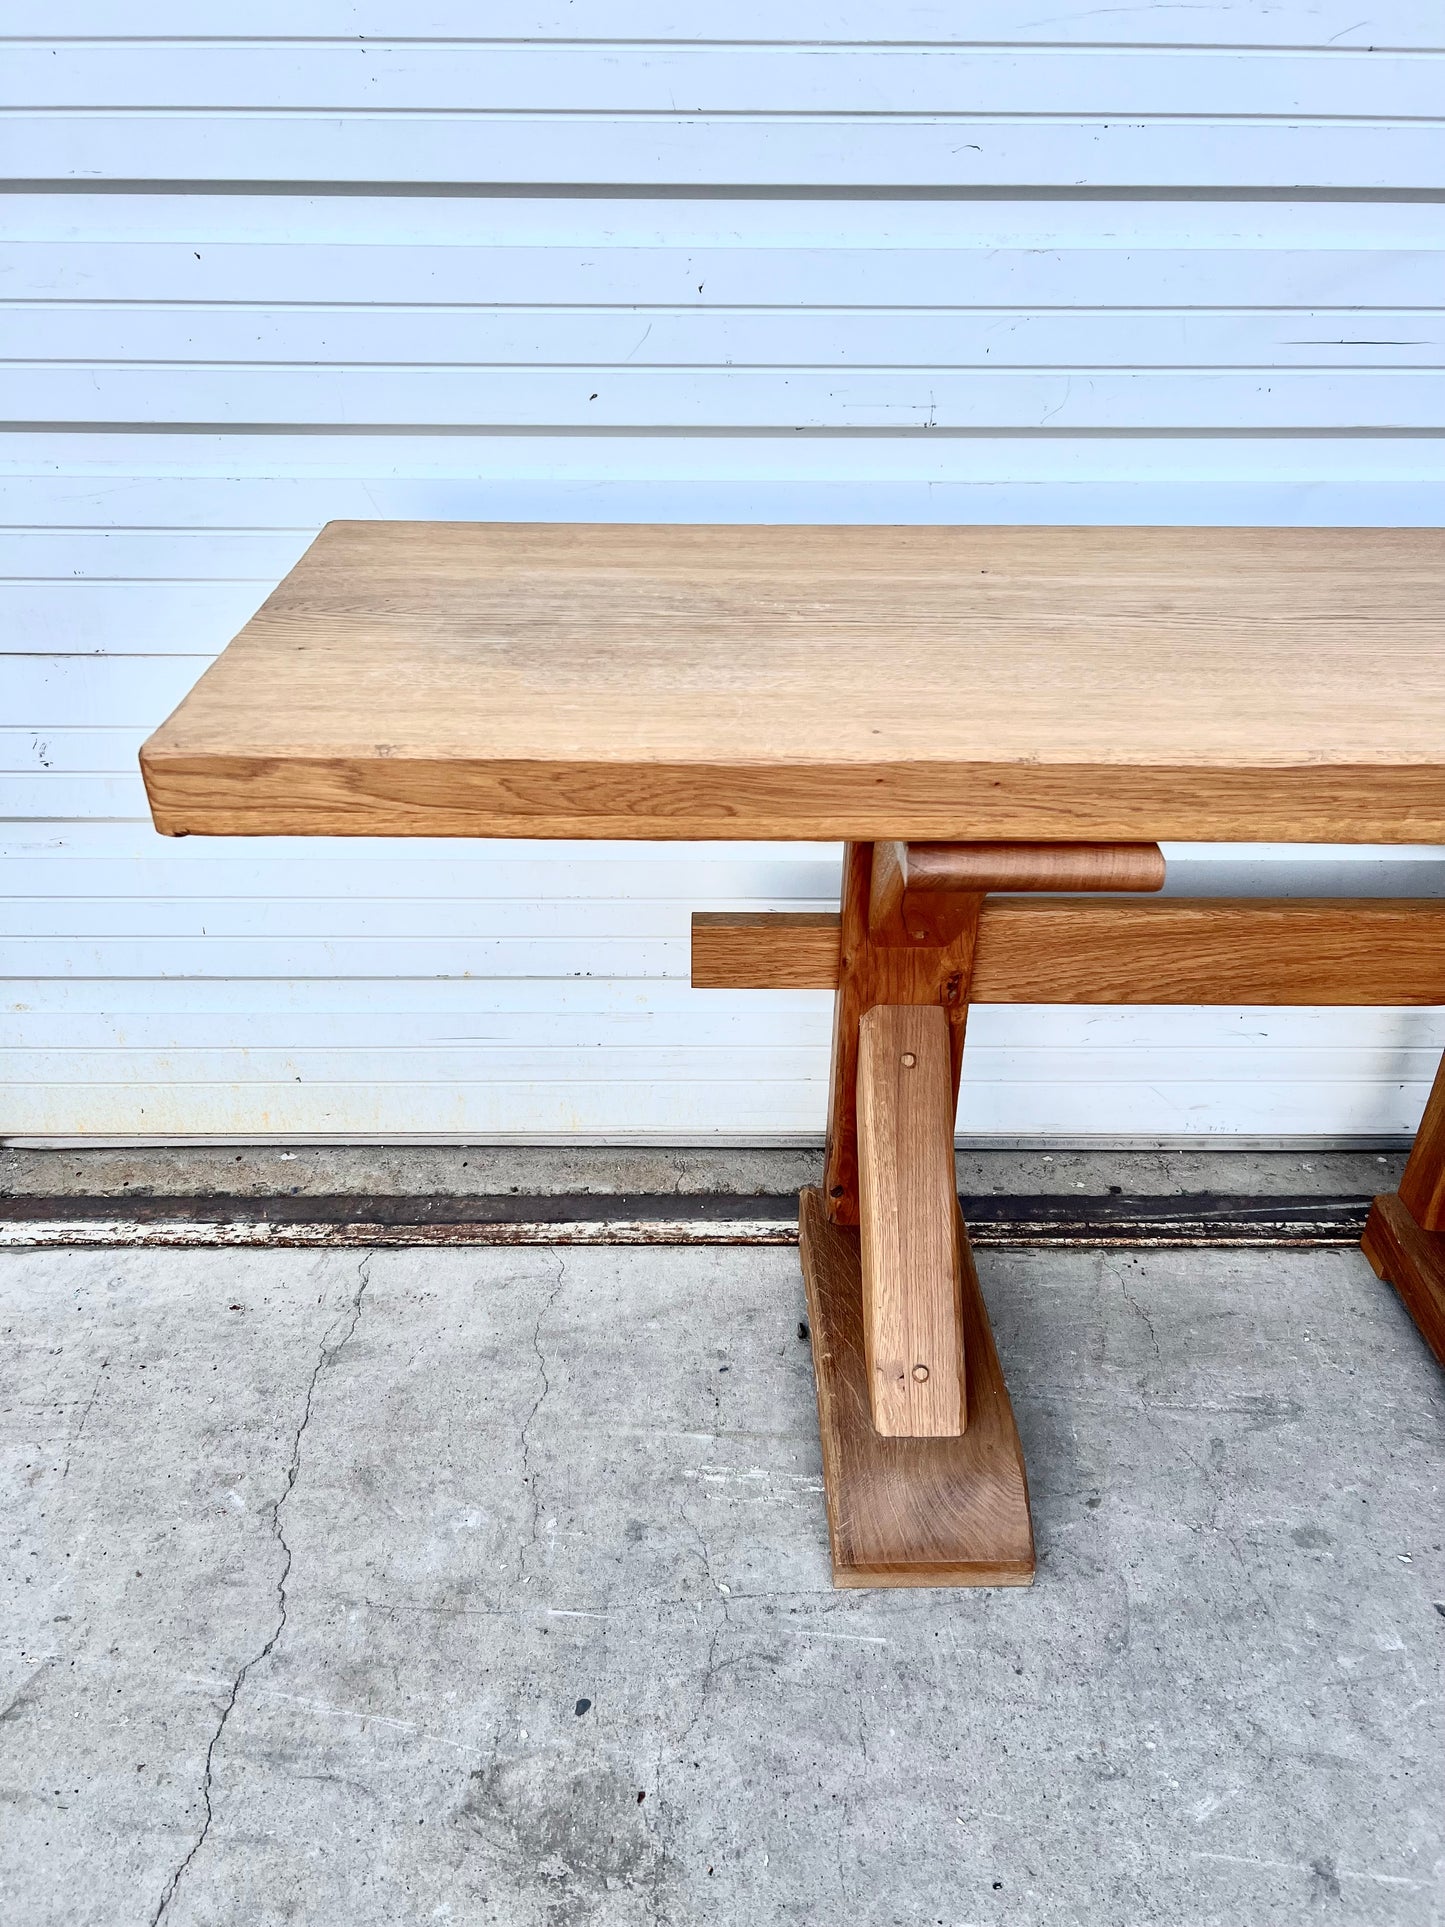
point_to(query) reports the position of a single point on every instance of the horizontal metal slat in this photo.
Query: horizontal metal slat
(702, 399)
(1217, 154)
(1287, 23)
(387, 345)
(991, 269)
(375, 78)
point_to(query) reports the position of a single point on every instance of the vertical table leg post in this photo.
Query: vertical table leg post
(916, 1496)
(908, 1224)
(1405, 1235)
(877, 964)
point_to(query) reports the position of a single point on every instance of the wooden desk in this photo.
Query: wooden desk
(957, 705)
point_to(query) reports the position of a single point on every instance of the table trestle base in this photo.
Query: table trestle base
(921, 1462)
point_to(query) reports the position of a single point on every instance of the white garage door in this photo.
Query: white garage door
(630, 259)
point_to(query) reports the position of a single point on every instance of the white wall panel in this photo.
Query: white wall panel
(451, 344)
(692, 398)
(1328, 24)
(605, 82)
(1217, 152)
(921, 263)
(966, 273)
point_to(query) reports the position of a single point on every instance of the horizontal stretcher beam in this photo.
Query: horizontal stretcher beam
(1091, 950)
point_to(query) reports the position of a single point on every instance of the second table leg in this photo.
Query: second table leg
(1405, 1237)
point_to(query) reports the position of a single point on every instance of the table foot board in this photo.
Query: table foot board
(911, 1511)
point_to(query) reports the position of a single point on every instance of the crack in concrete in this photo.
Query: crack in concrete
(89, 1408)
(529, 1478)
(861, 1780)
(1218, 1489)
(331, 1348)
(721, 1625)
(660, 1821)
(1139, 1312)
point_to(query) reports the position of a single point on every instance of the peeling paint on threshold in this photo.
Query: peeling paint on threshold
(1194, 1220)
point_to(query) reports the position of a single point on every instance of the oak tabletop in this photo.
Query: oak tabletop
(539, 680)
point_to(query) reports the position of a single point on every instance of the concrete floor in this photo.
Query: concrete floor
(491, 1586)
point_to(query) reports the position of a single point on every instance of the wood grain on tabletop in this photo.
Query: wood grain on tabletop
(938, 683)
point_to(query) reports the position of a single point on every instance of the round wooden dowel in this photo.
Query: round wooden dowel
(980, 867)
